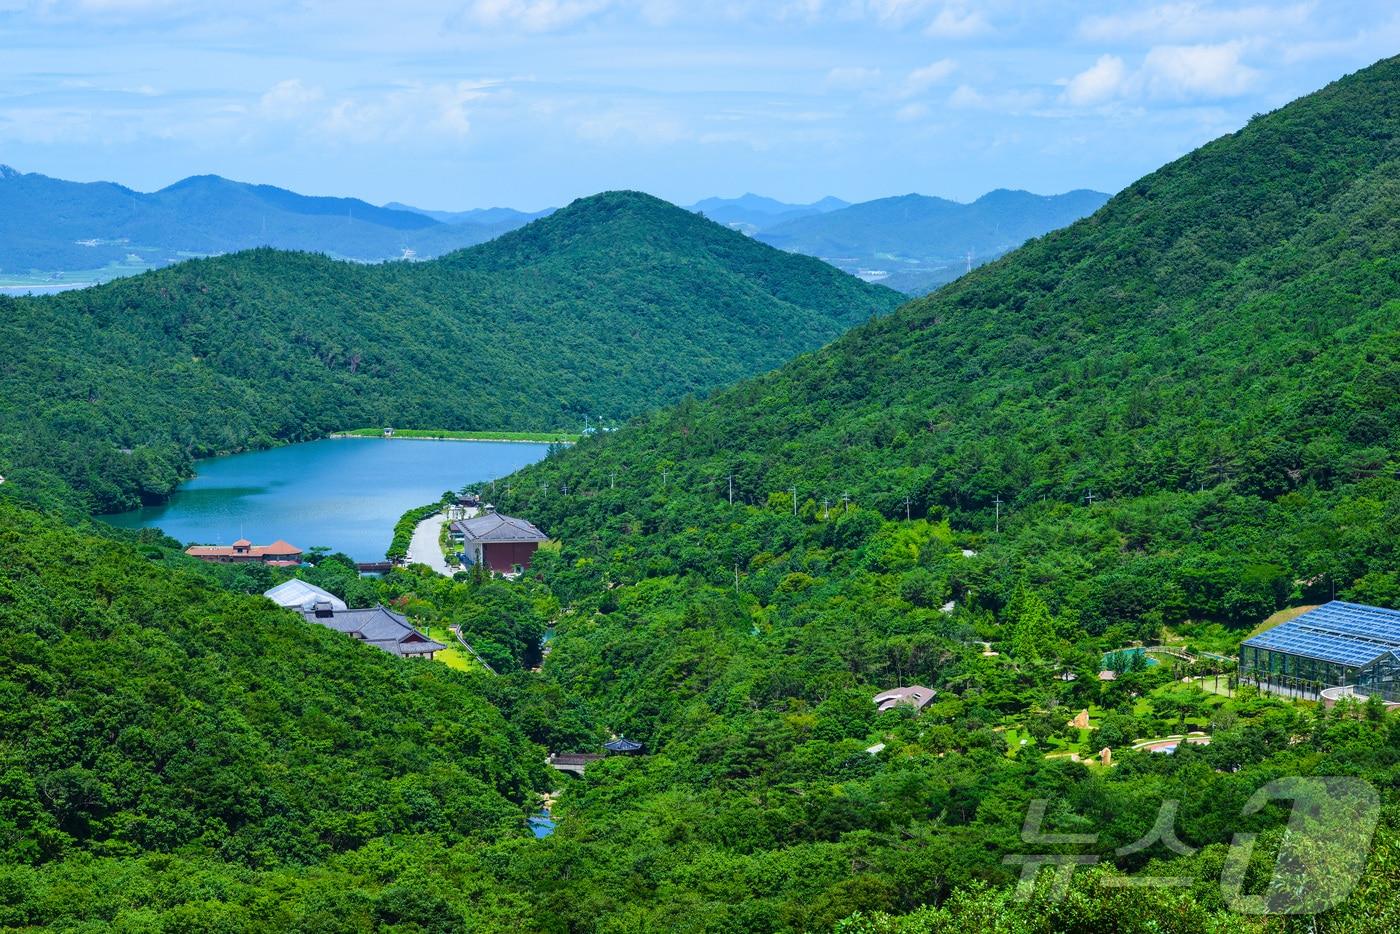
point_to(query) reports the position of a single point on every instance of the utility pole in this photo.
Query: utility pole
(665, 475)
(845, 502)
(731, 488)
(612, 480)
(826, 508)
(1090, 498)
(794, 501)
(997, 502)
(907, 503)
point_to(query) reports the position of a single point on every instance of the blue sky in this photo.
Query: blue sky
(531, 103)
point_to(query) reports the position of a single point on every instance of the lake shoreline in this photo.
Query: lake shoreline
(346, 497)
(342, 435)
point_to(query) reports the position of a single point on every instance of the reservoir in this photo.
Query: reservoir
(343, 493)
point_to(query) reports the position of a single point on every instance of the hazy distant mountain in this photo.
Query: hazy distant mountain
(49, 224)
(916, 243)
(507, 218)
(751, 213)
(912, 243)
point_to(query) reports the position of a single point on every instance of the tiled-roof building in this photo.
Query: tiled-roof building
(504, 544)
(279, 553)
(623, 746)
(380, 627)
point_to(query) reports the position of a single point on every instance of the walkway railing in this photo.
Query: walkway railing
(1172, 650)
(457, 631)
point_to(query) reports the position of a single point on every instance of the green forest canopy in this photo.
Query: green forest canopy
(607, 308)
(1210, 356)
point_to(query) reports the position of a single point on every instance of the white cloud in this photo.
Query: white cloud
(911, 112)
(1168, 72)
(287, 100)
(921, 79)
(642, 126)
(112, 7)
(408, 112)
(1102, 81)
(851, 78)
(533, 15)
(956, 21)
(1192, 21)
(966, 97)
(896, 12)
(1184, 71)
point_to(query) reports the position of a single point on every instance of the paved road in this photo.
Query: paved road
(424, 548)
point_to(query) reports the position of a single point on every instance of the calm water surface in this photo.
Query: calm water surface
(541, 824)
(343, 493)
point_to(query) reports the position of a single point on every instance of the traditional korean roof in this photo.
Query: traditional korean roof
(380, 627)
(494, 527)
(295, 594)
(622, 744)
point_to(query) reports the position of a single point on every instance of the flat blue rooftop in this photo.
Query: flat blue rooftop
(1344, 633)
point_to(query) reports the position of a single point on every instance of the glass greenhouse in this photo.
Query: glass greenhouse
(1337, 644)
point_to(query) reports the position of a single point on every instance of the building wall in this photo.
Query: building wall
(502, 557)
(1276, 664)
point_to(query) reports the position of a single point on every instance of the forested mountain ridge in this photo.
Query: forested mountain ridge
(51, 224)
(608, 307)
(147, 710)
(1187, 407)
(1227, 319)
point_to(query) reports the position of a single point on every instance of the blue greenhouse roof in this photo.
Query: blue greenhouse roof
(1343, 633)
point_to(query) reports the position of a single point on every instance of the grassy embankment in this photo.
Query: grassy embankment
(437, 434)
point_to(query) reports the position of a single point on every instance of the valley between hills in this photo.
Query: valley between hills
(885, 593)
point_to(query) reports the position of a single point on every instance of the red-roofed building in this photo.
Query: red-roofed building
(278, 554)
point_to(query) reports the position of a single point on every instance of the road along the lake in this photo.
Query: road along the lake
(426, 546)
